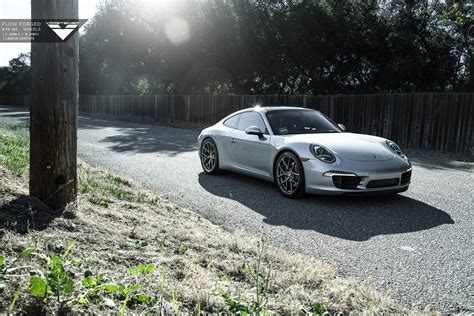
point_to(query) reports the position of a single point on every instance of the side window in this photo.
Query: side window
(232, 121)
(248, 119)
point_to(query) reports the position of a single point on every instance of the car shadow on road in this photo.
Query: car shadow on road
(351, 218)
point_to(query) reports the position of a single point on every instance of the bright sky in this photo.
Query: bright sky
(21, 9)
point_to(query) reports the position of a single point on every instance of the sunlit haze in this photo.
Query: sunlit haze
(177, 31)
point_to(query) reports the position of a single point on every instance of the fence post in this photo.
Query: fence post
(173, 108)
(156, 110)
(188, 108)
(331, 106)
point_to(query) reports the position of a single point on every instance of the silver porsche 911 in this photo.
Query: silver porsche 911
(303, 151)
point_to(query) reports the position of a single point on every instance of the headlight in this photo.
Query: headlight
(322, 153)
(394, 147)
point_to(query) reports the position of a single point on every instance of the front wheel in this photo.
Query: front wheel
(289, 175)
(209, 156)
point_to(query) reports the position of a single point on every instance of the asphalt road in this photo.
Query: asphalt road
(418, 244)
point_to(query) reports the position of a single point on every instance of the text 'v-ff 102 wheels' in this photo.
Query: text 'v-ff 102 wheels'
(289, 175)
(209, 156)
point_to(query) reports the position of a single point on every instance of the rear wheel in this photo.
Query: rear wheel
(289, 175)
(209, 156)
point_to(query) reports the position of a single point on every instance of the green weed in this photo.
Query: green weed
(197, 309)
(141, 269)
(174, 298)
(319, 308)
(99, 201)
(139, 244)
(11, 306)
(57, 283)
(183, 248)
(129, 206)
(162, 241)
(260, 276)
(9, 267)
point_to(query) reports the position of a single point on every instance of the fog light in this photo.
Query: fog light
(331, 173)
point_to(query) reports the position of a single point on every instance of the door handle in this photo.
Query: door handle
(232, 140)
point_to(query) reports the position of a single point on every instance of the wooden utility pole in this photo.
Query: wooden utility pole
(54, 107)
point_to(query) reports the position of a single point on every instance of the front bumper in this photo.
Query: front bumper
(363, 178)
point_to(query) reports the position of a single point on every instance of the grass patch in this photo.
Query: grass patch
(100, 187)
(122, 250)
(14, 150)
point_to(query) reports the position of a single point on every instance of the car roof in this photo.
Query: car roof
(264, 109)
(281, 108)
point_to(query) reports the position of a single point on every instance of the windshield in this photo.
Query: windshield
(284, 122)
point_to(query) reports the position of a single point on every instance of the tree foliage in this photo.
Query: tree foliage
(277, 46)
(15, 79)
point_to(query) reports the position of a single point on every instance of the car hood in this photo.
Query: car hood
(356, 147)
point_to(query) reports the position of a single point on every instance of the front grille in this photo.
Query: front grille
(346, 182)
(406, 177)
(382, 183)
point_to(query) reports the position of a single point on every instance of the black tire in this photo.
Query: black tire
(207, 153)
(290, 179)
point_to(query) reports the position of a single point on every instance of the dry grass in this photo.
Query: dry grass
(117, 225)
(200, 259)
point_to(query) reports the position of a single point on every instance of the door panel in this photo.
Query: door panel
(226, 159)
(226, 152)
(252, 153)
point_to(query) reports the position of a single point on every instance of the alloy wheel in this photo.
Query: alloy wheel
(288, 174)
(209, 155)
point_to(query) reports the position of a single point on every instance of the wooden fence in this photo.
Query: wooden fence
(437, 121)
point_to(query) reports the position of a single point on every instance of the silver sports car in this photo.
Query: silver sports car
(303, 151)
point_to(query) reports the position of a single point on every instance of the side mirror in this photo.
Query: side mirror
(254, 130)
(342, 127)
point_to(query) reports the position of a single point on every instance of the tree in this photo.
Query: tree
(456, 17)
(279, 46)
(54, 107)
(16, 78)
